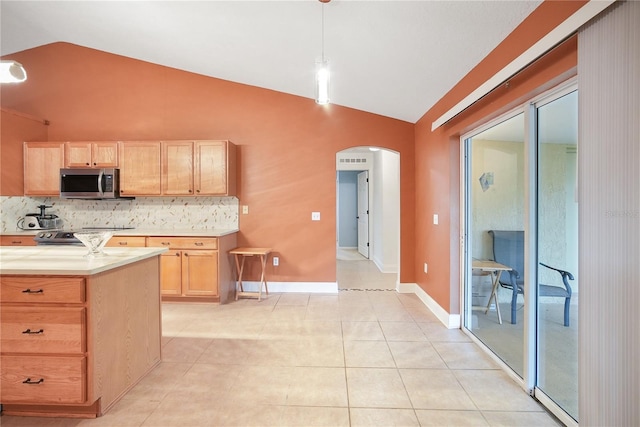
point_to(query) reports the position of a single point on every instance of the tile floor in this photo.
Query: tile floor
(356, 358)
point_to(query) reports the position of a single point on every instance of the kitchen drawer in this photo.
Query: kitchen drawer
(43, 330)
(43, 379)
(42, 289)
(183, 242)
(24, 240)
(127, 241)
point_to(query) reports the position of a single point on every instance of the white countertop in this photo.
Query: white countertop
(67, 260)
(173, 232)
(180, 232)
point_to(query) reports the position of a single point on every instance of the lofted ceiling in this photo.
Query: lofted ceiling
(393, 58)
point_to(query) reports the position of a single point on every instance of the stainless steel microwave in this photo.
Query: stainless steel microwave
(89, 183)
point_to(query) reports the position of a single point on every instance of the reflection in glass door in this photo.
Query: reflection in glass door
(557, 206)
(495, 204)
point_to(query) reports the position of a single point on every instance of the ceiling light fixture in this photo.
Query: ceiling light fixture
(323, 77)
(12, 72)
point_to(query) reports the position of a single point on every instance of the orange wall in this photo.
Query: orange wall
(287, 144)
(16, 127)
(438, 152)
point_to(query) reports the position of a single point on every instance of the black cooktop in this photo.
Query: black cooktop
(66, 237)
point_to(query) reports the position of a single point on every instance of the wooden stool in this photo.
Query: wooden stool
(243, 253)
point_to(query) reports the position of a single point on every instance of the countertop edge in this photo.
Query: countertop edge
(59, 263)
(141, 232)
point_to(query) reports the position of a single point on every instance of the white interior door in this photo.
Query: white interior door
(363, 213)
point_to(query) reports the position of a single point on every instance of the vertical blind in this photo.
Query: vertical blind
(609, 209)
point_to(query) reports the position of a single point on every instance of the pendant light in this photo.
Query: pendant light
(12, 72)
(323, 76)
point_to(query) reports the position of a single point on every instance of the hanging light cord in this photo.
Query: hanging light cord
(322, 32)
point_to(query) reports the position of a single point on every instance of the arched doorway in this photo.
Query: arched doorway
(379, 266)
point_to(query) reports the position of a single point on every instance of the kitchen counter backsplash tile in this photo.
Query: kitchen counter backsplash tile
(142, 212)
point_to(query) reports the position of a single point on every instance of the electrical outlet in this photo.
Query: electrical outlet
(425, 267)
(276, 261)
(315, 216)
(245, 209)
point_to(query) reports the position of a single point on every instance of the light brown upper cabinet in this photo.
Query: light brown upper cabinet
(42, 164)
(177, 168)
(198, 168)
(147, 168)
(91, 154)
(140, 172)
(215, 168)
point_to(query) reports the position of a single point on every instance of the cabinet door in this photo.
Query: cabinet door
(171, 273)
(77, 154)
(211, 168)
(200, 273)
(140, 168)
(104, 154)
(91, 154)
(177, 168)
(42, 164)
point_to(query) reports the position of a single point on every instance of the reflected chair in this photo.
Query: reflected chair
(508, 249)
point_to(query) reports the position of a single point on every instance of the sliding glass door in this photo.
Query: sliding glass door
(557, 215)
(520, 245)
(495, 190)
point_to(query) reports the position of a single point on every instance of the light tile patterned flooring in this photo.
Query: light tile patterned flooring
(356, 358)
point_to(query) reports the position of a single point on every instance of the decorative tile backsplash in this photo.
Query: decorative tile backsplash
(186, 213)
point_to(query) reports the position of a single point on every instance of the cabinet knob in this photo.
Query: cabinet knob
(197, 191)
(87, 164)
(190, 191)
(177, 253)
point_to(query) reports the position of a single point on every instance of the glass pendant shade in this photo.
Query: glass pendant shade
(12, 72)
(323, 80)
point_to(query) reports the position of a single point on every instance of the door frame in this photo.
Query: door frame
(375, 177)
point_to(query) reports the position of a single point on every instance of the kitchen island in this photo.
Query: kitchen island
(77, 333)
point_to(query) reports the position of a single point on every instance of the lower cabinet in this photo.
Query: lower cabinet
(196, 269)
(189, 273)
(58, 335)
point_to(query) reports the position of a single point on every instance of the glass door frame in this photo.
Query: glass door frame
(540, 101)
(529, 108)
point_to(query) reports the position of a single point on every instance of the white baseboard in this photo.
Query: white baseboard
(385, 268)
(451, 321)
(292, 287)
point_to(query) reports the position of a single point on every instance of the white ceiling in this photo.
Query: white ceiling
(393, 58)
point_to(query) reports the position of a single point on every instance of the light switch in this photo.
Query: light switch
(315, 216)
(425, 267)
(435, 219)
